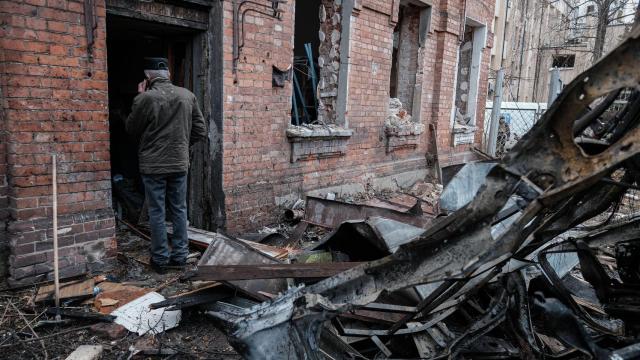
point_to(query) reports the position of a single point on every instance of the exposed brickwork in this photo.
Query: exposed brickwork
(55, 101)
(329, 60)
(257, 167)
(317, 149)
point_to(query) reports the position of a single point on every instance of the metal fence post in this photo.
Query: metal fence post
(555, 86)
(495, 114)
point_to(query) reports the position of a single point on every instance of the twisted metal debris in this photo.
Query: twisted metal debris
(578, 161)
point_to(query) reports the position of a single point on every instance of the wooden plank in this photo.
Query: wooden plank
(78, 288)
(270, 271)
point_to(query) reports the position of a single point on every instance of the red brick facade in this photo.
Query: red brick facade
(257, 166)
(54, 99)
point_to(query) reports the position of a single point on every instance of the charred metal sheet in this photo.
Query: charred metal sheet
(267, 238)
(369, 240)
(464, 185)
(628, 260)
(331, 213)
(226, 251)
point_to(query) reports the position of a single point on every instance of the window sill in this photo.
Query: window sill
(463, 134)
(403, 136)
(407, 129)
(317, 132)
(317, 142)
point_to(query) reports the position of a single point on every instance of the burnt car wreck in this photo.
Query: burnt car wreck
(523, 270)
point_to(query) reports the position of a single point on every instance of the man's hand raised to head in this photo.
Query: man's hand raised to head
(142, 86)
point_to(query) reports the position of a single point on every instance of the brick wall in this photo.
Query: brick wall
(55, 101)
(258, 172)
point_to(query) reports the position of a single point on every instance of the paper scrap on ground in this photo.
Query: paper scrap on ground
(137, 317)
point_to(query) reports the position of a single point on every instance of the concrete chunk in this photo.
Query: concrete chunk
(86, 352)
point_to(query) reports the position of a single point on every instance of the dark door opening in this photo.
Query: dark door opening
(129, 41)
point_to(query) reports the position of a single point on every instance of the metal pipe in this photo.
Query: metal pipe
(56, 274)
(495, 115)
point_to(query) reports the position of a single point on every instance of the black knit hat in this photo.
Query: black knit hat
(156, 63)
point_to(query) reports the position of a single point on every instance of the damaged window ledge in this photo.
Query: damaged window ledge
(317, 132)
(403, 136)
(410, 129)
(317, 141)
(463, 134)
(464, 129)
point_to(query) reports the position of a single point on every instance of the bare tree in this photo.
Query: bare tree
(591, 19)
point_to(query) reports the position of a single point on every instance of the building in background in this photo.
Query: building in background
(534, 36)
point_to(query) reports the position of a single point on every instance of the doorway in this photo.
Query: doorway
(129, 41)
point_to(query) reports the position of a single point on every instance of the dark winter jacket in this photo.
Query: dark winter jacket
(167, 120)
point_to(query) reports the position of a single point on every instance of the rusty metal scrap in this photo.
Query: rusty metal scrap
(473, 271)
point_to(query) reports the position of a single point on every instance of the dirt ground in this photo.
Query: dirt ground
(195, 338)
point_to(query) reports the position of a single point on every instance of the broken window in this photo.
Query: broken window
(316, 63)
(468, 74)
(404, 66)
(564, 61)
(405, 85)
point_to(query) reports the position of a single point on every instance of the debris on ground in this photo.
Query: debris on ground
(86, 352)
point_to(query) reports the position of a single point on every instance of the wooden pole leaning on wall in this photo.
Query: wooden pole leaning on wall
(56, 276)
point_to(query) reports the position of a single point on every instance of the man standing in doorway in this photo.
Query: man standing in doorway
(167, 120)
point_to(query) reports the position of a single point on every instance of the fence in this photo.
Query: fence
(519, 118)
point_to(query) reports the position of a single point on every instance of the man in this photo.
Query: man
(167, 120)
(504, 133)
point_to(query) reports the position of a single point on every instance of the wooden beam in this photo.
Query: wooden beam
(271, 271)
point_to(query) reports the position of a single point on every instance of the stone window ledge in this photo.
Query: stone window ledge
(408, 129)
(463, 129)
(317, 142)
(403, 136)
(463, 134)
(317, 132)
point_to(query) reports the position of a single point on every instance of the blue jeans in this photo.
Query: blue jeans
(174, 186)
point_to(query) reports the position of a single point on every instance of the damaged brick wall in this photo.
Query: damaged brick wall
(447, 31)
(256, 116)
(329, 60)
(259, 173)
(55, 101)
